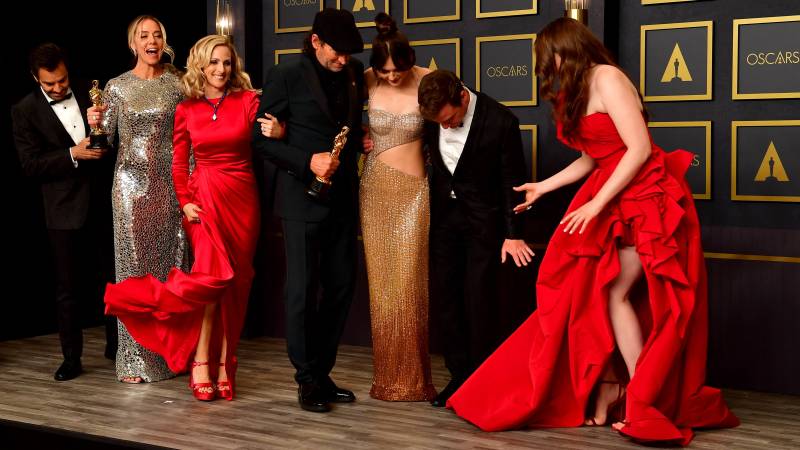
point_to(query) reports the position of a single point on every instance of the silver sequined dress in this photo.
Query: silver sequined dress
(148, 237)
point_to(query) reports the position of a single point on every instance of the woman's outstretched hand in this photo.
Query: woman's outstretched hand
(532, 193)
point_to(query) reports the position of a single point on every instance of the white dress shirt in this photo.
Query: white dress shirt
(69, 113)
(452, 140)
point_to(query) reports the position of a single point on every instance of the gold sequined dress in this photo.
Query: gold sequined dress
(395, 218)
(148, 237)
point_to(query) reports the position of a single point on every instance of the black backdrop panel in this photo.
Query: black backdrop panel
(364, 11)
(439, 54)
(677, 59)
(430, 11)
(694, 137)
(295, 15)
(768, 57)
(502, 8)
(529, 150)
(504, 69)
(766, 161)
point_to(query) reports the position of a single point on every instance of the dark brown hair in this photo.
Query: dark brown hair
(437, 89)
(46, 56)
(390, 42)
(579, 50)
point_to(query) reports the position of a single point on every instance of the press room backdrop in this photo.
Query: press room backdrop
(745, 176)
(724, 87)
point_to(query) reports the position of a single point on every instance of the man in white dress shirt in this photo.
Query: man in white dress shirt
(476, 155)
(50, 134)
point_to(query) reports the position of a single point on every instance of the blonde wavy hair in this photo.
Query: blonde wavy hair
(193, 81)
(134, 25)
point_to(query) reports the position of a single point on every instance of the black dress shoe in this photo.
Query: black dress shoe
(335, 394)
(441, 400)
(311, 398)
(68, 370)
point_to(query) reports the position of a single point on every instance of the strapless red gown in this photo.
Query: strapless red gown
(543, 374)
(166, 317)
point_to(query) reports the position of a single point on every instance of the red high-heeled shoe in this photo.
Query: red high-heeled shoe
(224, 389)
(201, 391)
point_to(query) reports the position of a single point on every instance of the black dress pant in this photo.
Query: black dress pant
(318, 254)
(82, 271)
(464, 264)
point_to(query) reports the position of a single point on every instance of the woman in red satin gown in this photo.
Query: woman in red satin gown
(200, 314)
(633, 222)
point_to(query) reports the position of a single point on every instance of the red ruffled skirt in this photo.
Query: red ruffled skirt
(543, 374)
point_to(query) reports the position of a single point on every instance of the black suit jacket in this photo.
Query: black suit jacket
(43, 148)
(292, 93)
(490, 165)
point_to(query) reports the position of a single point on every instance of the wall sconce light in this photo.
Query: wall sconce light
(224, 18)
(578, 10)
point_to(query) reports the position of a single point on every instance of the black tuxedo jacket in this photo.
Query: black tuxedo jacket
(43, 147)
(292, 93)
(490, 165)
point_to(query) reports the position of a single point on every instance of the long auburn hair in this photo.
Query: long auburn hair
(579, 50)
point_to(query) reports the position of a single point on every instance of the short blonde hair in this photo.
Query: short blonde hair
(193, 81)
(134, 25)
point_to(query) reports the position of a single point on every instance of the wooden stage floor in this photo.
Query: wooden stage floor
(266, 415)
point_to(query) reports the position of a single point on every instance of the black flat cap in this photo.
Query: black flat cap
(337, 28)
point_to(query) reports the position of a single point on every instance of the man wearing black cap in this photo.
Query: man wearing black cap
(316, 96)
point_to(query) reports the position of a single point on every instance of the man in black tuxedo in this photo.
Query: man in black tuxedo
(50, 133)
(315, 96)
(476, 156)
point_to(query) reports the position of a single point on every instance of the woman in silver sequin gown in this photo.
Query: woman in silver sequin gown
(395, 217)
(148, 237)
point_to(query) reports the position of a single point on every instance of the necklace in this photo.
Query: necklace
(216, 106)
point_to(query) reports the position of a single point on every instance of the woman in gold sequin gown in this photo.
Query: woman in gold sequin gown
(139, 108)
(395, 221)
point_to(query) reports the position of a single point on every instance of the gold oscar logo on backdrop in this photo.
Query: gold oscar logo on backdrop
(362, 4)
(433, 65)
(676, 69)
(771, 168)
(299, 2)
(507, 71)
(770, 58)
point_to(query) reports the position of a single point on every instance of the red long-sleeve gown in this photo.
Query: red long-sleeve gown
(166, 317)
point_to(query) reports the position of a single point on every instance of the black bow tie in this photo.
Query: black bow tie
(66, 97)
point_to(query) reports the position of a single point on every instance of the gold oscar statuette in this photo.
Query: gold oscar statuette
(98, 138)
(320, 186)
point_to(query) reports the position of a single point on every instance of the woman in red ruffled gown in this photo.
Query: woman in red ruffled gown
(632, 220)
(200, 314)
